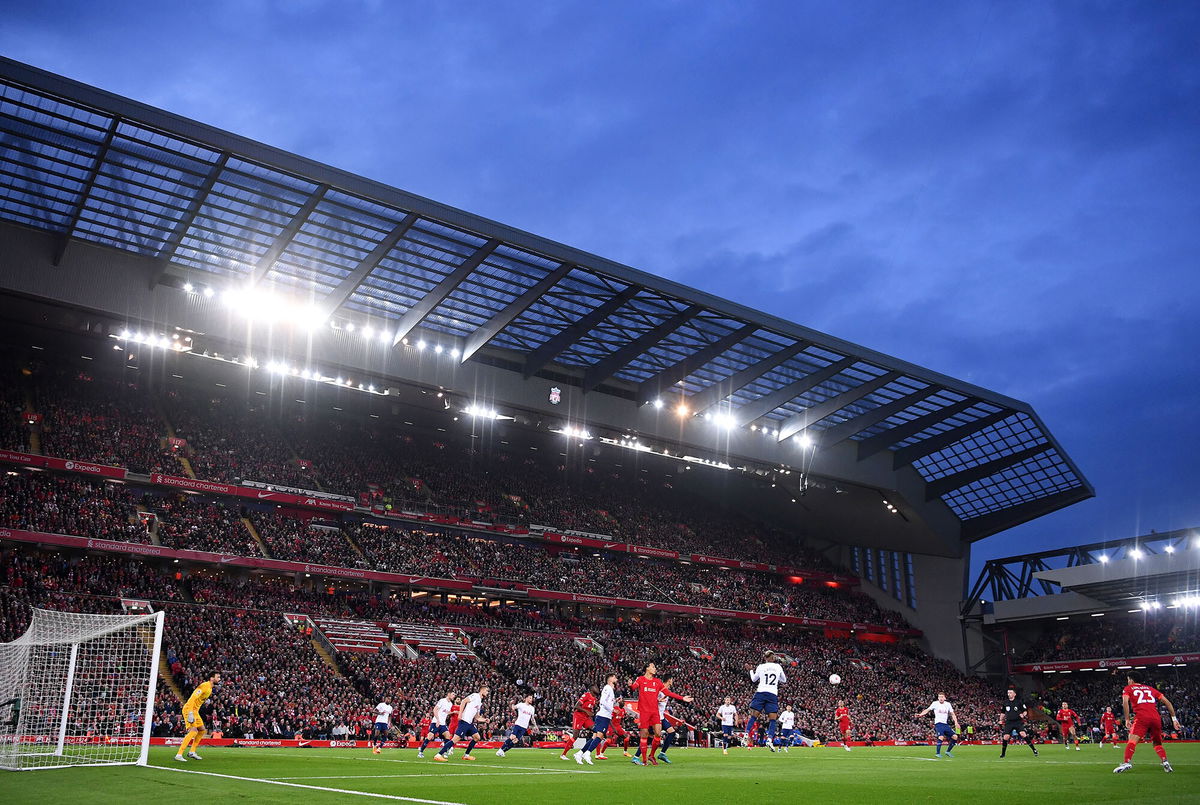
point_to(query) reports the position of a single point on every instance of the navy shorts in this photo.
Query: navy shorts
(465, 730)
(381, 728)
(944, 730)
(518, 732)
(437, 729)
(601, 724)
(727, 729)
(765, 702)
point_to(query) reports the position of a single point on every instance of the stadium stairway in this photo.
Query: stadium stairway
(346, 635)
(188, 470)
(367, 561)
(440, 640)
(164, 672)
(327, 658)
(258, 540)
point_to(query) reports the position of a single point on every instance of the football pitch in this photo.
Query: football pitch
(525, 776)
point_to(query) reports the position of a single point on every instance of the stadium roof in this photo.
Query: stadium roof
(1114, 573)
(223, 211)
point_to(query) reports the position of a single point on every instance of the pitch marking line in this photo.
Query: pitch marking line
(457, 765)
(464, 774)
(310, 787)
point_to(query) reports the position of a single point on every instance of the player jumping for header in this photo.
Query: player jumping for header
(769, 675)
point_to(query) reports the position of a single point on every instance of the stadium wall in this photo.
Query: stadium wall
(940, 584)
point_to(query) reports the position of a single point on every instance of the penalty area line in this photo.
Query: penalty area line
(311, 787)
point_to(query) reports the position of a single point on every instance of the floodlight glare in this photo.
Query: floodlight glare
(658, 403)
(421, 344)
(1103, 558)
(1169, 549)
(187, 286)
(438, 349)
(368, 332)
(1135, 553)
(805, 441)
(208, 293)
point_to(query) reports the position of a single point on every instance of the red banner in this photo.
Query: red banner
(584, 542)
(1107, 663)
(65, 465)
(661, 553)
(193, 485)
(289, 499)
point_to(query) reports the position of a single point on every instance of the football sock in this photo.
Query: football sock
(187, 739)
(938, 751)
(771, 732)
(750, 727)
(424, 744)
(668, 739)
(470, 746)
(950, 745)
(1003, 748)
(1161, 751)
(1029, 741)
(447, 745)
(603, 744)
(654, 742)
(1129, 747)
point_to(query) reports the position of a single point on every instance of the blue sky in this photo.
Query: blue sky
(1004, 192)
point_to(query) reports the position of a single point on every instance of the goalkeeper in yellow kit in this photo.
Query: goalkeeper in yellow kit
(192, 720)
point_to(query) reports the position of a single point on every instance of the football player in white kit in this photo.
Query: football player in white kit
(471, 705)
(943, 713)
(769, 675)
(727, 713)
(383, 725)
(521, 725)
(604, 716)
(439, 722)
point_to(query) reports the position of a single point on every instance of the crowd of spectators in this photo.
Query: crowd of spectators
(232, 441)
(295, 539)
(1140, 635)
(276, 684)
(69, 504)
(105, 421)
(91, 508)
(227, 439)
(189, 522)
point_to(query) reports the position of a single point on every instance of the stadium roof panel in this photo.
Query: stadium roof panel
(224, 210)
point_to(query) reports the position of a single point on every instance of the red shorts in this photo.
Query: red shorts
(844, 725)
(1149, 729)
(578, 723)
(645, 722)
(671, 721)
(616, 727)
(1065, 726)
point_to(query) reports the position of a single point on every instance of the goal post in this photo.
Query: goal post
(77, 689)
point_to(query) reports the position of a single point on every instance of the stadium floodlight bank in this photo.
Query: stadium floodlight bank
(77, 689)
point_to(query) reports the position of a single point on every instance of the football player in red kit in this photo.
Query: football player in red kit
(1108, 725)
(1067, 719)
(581, 720)
(1147, 723)
(842, 716)
(647, 687)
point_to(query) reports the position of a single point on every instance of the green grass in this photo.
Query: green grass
(531, 776)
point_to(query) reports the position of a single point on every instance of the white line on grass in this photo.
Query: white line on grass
(464, 774)
(460, 766)
(312, 787)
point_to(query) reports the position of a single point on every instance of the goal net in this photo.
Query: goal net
(78, 690)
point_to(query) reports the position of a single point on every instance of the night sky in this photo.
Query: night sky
(1005, 192)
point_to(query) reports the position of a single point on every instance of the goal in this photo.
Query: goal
(78, 690)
